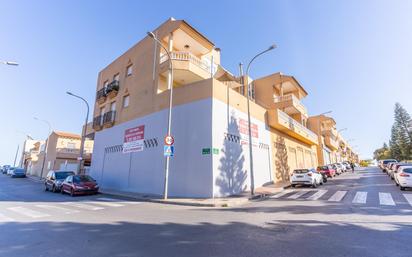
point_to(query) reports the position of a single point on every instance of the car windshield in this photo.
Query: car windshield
(63, 174)
(79, 179)
(324, 167)
(388, 161)
(19, 170)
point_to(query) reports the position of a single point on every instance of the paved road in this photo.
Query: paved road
(362, 214)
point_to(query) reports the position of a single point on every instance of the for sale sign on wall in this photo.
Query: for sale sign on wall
(133, 139)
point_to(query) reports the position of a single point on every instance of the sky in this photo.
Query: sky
(352, 57)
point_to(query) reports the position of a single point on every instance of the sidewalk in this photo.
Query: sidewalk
(232, 201)
(34, 178)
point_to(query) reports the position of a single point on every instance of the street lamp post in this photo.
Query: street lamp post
(340, 130)
(252, 180)
(81, 159)
(9, 63)
(47, 144)
(169, 120)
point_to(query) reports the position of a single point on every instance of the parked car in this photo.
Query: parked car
(347, 166)
(403, 178)
(387, 162)
(328, 170)
(395, 167)
(10, 170)
(337, 167)
(5, 168)
(18, 173)
(308, 177)
(389, 167)
(79, 185)
(55, 178)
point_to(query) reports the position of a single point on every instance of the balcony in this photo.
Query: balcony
(283, 122)
(330, 140)
(101, 96)
(72, 153)
(290, 104)
(112, 89)
(187, 68)
(97, 123)
(108, 119)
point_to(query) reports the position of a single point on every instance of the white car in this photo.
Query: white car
(308, 177)
(10, 171)
(338, 168)
(403, 177)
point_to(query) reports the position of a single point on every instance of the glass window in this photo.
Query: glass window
(116, 77)
(113, 106)
(71, 145)
(129, 70)
(126, 101)
(105, 84)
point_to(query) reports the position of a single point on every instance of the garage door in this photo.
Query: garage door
(68, 166)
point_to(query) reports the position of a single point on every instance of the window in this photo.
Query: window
(129, 70)
(113, 106)
(101, 114)
(105, 84)
(71, 145)
(116, 77)
(126, 99)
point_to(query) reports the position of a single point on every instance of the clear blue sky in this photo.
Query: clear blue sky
(353, 57)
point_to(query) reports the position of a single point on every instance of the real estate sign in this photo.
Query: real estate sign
(133, 139)
(244, 132)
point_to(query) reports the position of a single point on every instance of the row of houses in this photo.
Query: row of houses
(124, 146)
(209, 122)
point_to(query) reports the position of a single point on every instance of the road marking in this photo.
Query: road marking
(284, 192)
(118, 200)
(83, 206)
(297, 195)
(408, 198)
(28, 212)
(108, 204)
(107, 199)
(360, 197)
(386, 199)
(4, 218)
(317, 195)
(57, 208)
(338, 196)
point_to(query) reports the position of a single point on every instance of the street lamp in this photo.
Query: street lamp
(340, 130)
(9, 63)
(252, 180)
(169, 120)
(47, 144)
(81, 161)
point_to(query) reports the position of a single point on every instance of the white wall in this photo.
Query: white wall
(143, 172)
(231, 166)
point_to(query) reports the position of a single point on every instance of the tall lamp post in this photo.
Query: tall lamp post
(81, 159)
(252, 180)
(169, 120)
(9, 63)
(47, 144)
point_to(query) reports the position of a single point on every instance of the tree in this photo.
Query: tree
(382, 153)
(401, 136)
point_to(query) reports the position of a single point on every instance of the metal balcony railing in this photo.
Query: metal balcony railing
(97, 122)
(100, 94)
(296, 126)
(113, 86)
(109, 117)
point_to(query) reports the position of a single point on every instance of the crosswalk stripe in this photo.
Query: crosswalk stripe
(386, 199)
(317, 195)
(4, 218)
(297, 195)
(408, 198)
(360, 197)
(280, 194)
(28, 212)
(108, 204)
(88, 207)
(338, 196)
(57, 208)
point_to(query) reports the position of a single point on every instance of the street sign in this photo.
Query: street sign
(205, 151)
(169, 140)
(169, 150)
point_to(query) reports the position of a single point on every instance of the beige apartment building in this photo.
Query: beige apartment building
(209, 121)
(63, 150)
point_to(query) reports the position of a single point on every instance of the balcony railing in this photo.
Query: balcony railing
(97, 122)
(187, 56)
(295, 101)
(108, 118)
(112, 88)
(296, 126)
(101, 95)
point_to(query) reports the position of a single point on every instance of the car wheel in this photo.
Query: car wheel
(402, 188)
(293, 185)
(315, 185)
(72, 192)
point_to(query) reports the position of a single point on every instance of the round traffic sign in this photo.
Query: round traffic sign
(169, 140)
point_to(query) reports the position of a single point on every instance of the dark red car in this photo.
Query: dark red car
(328, 170)
(79, 185)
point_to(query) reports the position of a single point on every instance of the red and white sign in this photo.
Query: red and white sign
(244, 132)
(169, 140)
(133, 139)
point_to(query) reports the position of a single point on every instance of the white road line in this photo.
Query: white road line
(4, 218)
(317, 195)
(107, 199)
(360, 197)
(83, 206)
(297, 195)
(57, 208)
(280, 194)
(108, 204)
(408, 198)
(338, 196)
(386, 199)
(28, 212)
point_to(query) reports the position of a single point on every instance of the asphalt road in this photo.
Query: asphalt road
(362, 214)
